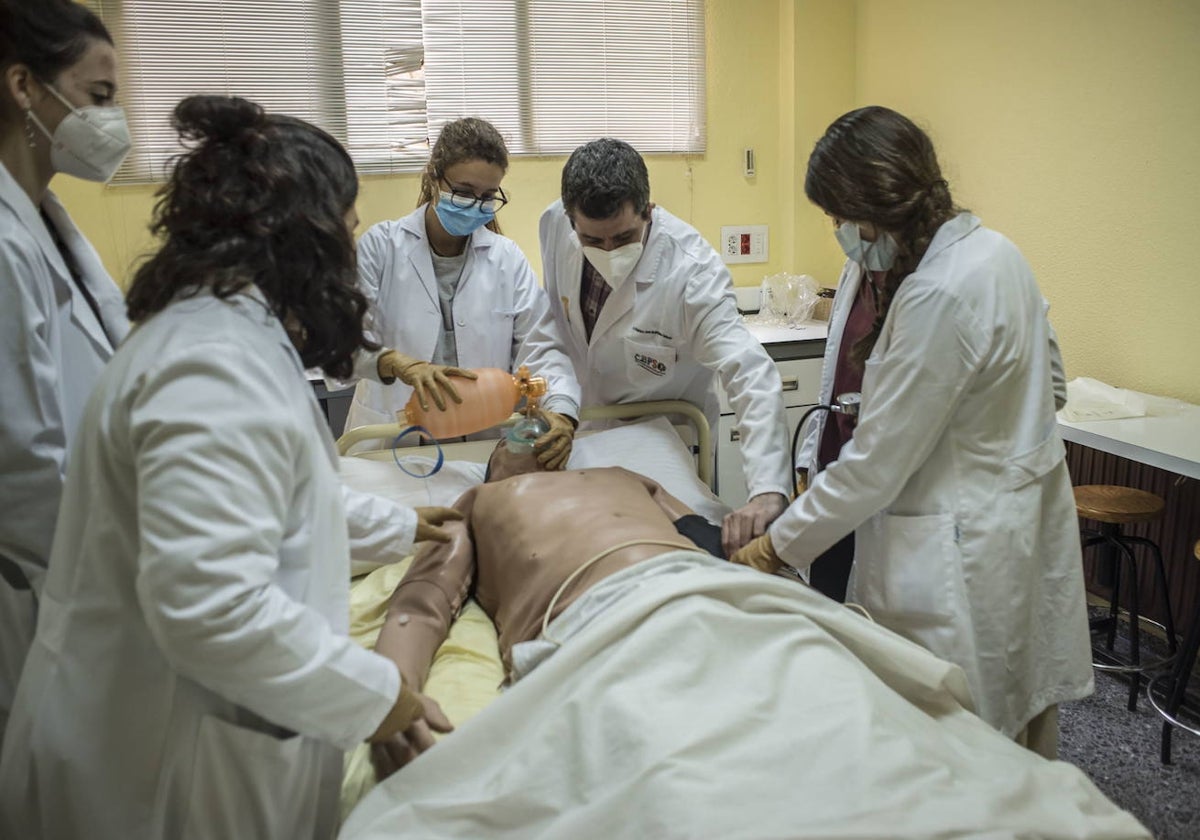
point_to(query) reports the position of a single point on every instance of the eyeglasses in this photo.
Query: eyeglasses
(488, 204)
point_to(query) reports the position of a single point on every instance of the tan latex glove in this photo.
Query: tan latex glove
(759, 554)
(554, 447)
(430, 518)
(751, 520)
(425, 378)
(406, 731)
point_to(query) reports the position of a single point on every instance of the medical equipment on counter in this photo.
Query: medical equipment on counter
(848, 404)
(486, 401)
(787, 299)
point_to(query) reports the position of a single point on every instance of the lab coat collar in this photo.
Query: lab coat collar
(252, 303)
(421, 258)
(30, 218)
(949, 233)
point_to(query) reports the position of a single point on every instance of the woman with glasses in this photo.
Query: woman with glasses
(449, 292)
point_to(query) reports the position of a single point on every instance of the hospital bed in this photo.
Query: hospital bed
(719, 702)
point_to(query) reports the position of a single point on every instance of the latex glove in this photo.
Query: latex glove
(554, 447)
(751, 520)
(405, 741)
(758, 554)
(425, 378)
(430, 518)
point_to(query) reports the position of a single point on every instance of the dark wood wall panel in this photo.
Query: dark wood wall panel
(1176, 533)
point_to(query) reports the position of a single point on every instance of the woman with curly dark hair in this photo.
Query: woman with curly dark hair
(192, 675)
(953, 482)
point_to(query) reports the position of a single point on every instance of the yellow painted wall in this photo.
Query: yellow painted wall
(1073, 127)
(744, 108)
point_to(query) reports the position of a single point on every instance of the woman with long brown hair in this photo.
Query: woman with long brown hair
(953, 481)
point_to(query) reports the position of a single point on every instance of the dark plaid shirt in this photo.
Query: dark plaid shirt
(593, 292)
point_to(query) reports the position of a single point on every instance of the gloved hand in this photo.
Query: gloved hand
(406, 731)
(554, 447)
(428, 520)
(751, 520)
(425, 378)
(758, 554)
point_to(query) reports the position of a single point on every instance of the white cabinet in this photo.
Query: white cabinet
(801, 387)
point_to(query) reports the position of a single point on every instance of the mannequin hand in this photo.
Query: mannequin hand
(390, 753)
(758, 554)
(410, 708)
(554, 447)
(425, 378)
(428, 520)
(751, 521)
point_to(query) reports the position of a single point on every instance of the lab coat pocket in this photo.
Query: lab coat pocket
(249, 783)
(909, 566)
(648, 364)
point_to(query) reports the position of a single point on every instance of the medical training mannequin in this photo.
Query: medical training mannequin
(191, 674)
(61, 315)
(447, 291)
(954, 480)
(523, 557)
(647, 310)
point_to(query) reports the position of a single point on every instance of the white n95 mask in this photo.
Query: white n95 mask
(90, 142)
(615, 265)
(879, 255)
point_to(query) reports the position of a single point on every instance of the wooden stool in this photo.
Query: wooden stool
(1113, 507)
(1174, 684)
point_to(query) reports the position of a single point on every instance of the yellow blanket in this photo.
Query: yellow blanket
(465, 676)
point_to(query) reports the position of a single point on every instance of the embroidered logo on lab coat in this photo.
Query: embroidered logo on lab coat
(649, 363)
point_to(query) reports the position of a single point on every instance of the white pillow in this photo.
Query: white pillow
(650, 447)
(384, 478)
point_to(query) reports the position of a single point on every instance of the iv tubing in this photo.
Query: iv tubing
(589, 562)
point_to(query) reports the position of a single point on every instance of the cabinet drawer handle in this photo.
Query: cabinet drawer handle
(791, 383)
(734, 435)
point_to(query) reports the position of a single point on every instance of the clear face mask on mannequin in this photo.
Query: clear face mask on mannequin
(879, 255)
(90, 142)
(615, 265)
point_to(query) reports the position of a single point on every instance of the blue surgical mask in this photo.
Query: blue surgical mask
(460, 221)
(879, 255)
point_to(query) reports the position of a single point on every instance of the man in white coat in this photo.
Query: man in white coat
(647, 311)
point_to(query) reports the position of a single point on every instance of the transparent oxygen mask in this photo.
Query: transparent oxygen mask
(520, 437)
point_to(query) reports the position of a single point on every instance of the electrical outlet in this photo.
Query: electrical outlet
(744, 244)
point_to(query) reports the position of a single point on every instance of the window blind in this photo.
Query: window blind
(352, 67)
(384, 76)
(552, 74)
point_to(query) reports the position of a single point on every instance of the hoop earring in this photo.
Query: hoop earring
(30, 135)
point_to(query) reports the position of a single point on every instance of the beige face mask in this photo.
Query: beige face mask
(90, 142)
(615, 265)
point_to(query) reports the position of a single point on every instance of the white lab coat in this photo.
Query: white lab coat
(54, 348)
(196, 609)
(955, 482)
(668, 331)
(501, 317)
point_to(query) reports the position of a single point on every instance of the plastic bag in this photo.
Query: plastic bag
(788, 299)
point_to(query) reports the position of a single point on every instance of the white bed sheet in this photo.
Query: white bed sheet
(722, 702)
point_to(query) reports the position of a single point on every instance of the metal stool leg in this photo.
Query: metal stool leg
(1176, 689)
(1135, 624)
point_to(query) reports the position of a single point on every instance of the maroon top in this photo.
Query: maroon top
(848, 376)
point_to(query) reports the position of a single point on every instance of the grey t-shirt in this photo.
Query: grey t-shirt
(448, 271)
